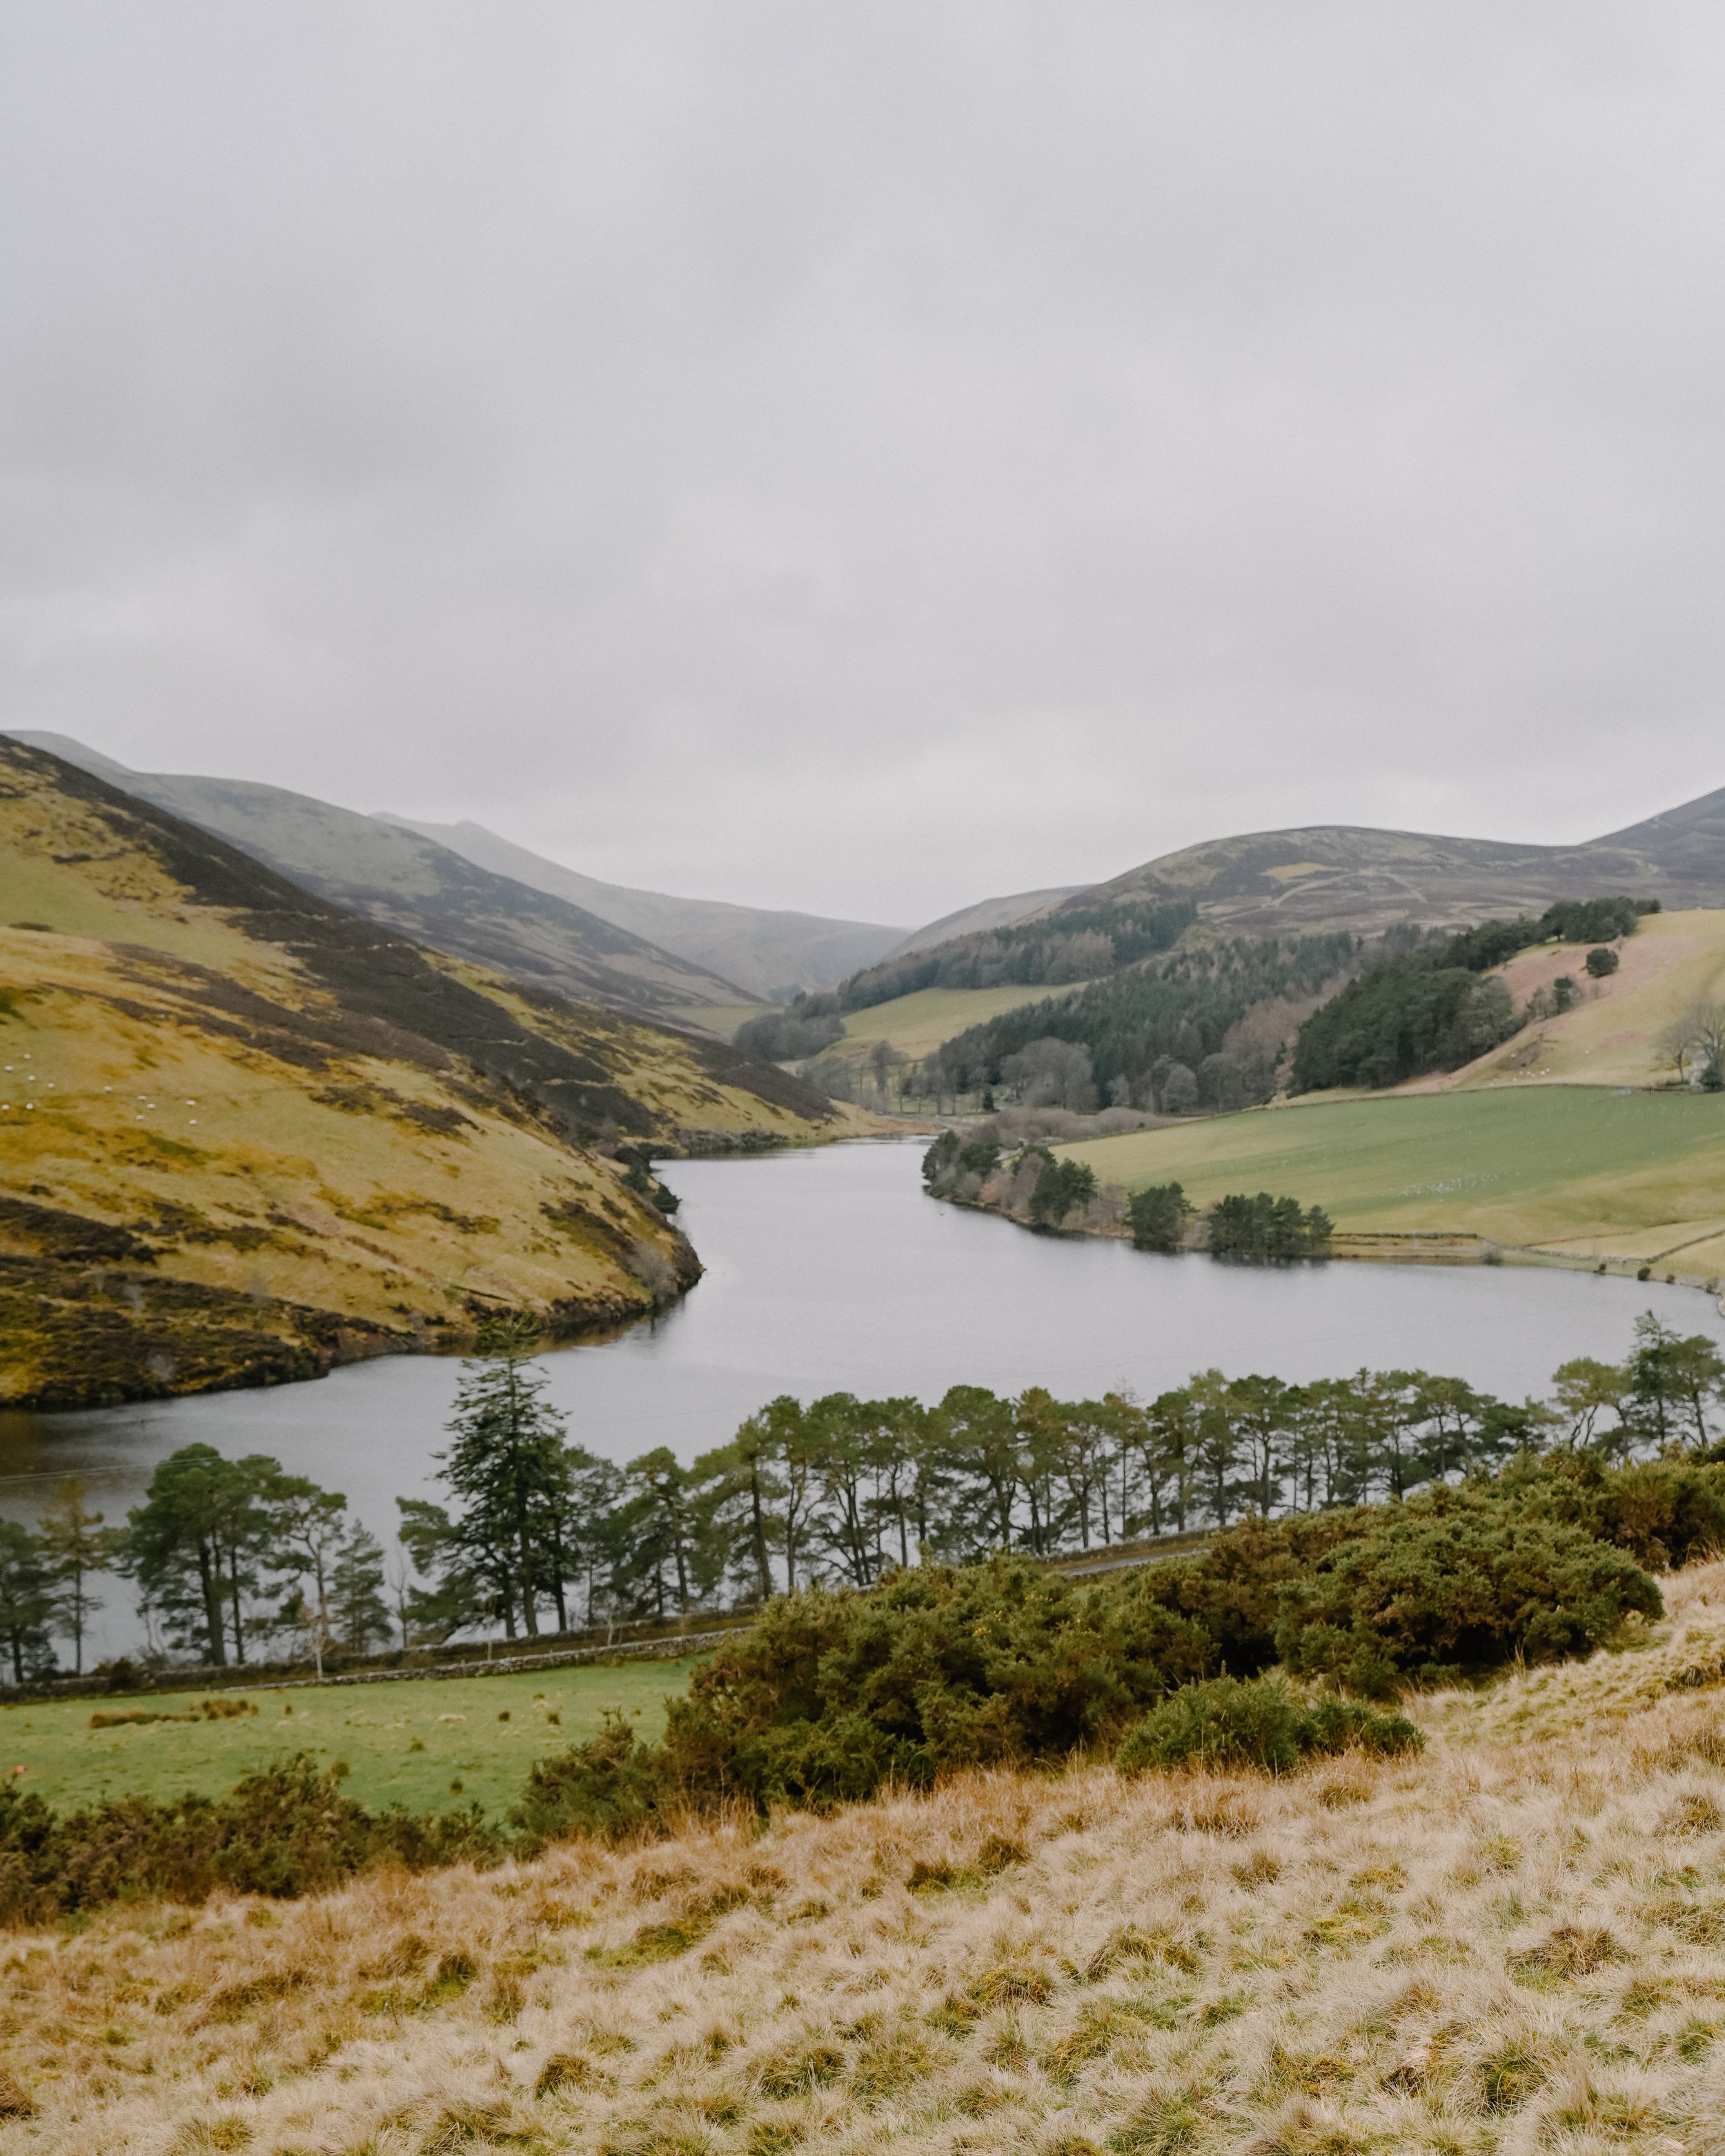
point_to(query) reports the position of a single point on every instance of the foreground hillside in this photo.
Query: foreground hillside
(246, 1134)
(1509, 1942)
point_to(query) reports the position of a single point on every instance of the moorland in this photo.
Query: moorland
(248, 1134)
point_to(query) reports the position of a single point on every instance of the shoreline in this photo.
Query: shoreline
(1425, 1246)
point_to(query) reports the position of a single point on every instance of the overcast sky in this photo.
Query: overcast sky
(866, 457)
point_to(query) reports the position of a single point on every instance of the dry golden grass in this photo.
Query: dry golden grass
(1514, 1942)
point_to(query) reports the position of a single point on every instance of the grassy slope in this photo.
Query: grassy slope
(1510, 1943)
(920, 1023)
(1528, 1146)
(309, 1178)
(1611, 1037)
(1581, 1168)
(373, 1727)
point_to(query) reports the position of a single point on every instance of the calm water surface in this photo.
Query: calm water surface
(829, 1270)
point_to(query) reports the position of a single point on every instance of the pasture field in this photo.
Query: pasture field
(721, 1019)
(1510, 1943)
(1580, 1170)
(917, 1023)
(430, 1744)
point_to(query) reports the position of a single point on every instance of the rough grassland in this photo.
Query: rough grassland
(1577, 1168)
(243, 1136)
(404, 1743)
(917, 1023)
(1512, 1943)
(1611, 1037)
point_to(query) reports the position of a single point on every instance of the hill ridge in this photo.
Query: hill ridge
(397, 877)
(253, 1134)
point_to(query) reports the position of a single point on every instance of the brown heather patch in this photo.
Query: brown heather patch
(1514, 1943)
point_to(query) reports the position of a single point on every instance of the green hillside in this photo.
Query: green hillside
(1583, 1171)
(244, 1134)
(392, 875)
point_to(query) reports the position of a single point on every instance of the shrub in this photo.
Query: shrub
(1600, 961)
(1233, 1591)
(1665, 1512)
(831, 1695)
(608, 1788)
(285, 1830)
(1452, 1582)
(1258, 1723)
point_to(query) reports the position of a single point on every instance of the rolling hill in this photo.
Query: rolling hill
(406, 882)
(247, 1135)
(986, 915)
(1338, 876)
(762, 951)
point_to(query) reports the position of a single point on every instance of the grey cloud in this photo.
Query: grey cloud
(864, 457)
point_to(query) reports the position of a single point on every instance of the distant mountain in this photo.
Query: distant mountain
(392, 875)
(1338, 876)
(985, 914)
(247, 1134)
(761, 951)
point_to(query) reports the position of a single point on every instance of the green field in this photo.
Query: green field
(1583, 1169)
(375, 1728)
(920, 1023)
(721, 1019)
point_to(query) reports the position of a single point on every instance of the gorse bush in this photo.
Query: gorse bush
(1455, 1582)
(936, 1669)
(831, 1697)
(1258, 1722)
(285, 1830)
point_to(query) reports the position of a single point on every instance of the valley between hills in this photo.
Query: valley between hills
(306, 1086)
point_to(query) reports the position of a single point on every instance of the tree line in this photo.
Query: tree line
(1173, 1020)
(1075, 944)
(1433, 1007)
(534, 1534)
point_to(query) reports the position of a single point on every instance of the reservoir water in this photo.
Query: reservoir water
(830, 1271)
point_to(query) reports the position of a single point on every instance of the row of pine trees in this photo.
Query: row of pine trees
(236, 1558)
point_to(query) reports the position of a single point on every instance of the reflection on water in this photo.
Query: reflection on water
(829, 1270)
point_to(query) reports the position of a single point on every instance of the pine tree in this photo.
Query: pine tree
(507, 1462)
(359, 1616)
(74, 1544)
(194, 1544)
(26, 1602)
